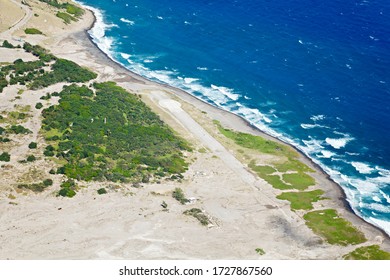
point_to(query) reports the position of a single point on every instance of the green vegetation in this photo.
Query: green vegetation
(178, 194)
(372, 252)
(48, 182)
(257, 143)
(38, 106)
(63, 71)
(7, 44)
(67, 18)
(101, 191)
(5, 157)
(111, 135)
(300, 181)
(36, 187)
(260, 251)
(68, 189)
(302, 200)
(296, 178)
(74, 10)
(32, 145)
(70, 8)
(32, 31)
(5, 140)
(198, 214)
(18, 129)
(333, 228)
(31, 158)
(39, 52)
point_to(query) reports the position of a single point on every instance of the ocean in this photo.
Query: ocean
(315, 74)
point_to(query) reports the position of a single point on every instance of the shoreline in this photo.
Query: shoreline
(129, 222)
(186, 96)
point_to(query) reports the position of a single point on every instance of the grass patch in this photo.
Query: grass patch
(198, 214)
(372, 252)
(302, 200)
(333, 228)
(299, 181)
(33, 31)
(256, 142)
(262, 170)
(67, 18)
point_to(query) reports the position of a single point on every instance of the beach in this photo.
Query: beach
(129, 223)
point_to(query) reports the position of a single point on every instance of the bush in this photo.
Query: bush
(179, 196)
(31, 158)
(68, 189)
(32, 145)
(7, 44)
(48, 182)
(5, 140)
(19, 129)
(32, 31)
(5, 157)
(101, 191)
(198, 214)
(39, 105)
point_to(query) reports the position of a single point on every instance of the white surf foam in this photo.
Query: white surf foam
(311, 126)
(127, 21)
(385, 196)
(338, 143)
(312, 146)
(190, 80)
(226, 91)
(99, 29)
(125, 55)
(362, 168)
(317, 117)
(327, 154)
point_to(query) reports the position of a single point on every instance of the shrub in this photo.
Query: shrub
(19, 129)
(38, 105)
(68, 189)
(32, 31)
(198, 214)
(5, 157)
(101, 191)
(179, 196)
(32, 145)
(7, 44)
(48, 182)
(31, 158)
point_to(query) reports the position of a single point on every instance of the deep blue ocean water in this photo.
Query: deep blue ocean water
(315, 74)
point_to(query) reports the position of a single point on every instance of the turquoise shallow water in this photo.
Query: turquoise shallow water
(315, 74)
